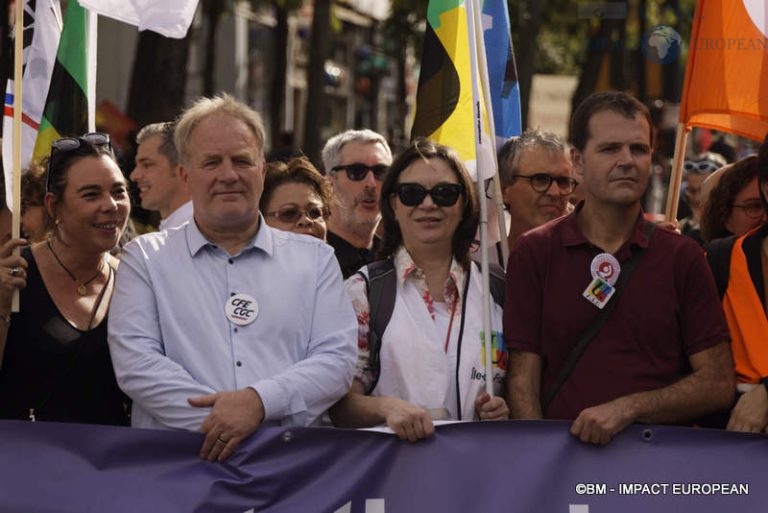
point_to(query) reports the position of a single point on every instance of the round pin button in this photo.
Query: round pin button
(241, 309)
(606, 267)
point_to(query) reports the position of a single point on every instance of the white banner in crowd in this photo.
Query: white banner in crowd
(170, 18)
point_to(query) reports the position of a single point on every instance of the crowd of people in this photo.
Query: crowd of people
(287, 294)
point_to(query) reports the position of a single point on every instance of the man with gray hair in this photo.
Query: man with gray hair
(158, 178)
(536, 180)
(226, 324)
(355, 162)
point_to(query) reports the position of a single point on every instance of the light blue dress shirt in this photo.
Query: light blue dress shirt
(171, 339)
(178, 217)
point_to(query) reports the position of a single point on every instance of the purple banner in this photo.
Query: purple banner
(510, 467)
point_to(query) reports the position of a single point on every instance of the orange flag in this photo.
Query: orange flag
(726, 77)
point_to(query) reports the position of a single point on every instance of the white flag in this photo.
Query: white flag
(43, 19)
(170, 18)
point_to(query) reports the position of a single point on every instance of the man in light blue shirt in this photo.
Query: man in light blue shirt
(225, 324)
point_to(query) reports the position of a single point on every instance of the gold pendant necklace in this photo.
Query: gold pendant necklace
(81, 286)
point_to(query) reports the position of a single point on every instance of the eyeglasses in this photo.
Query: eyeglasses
(443, 195)
(357, 171)
(704, 166)
(753, 208)
(541, 182)
(67, 144)
(290, 214)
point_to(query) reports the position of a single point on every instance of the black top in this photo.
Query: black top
(63, 373)
(350, 258)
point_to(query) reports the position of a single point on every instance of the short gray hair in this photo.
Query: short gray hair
(331, 154)
(165, 131)
(512, 150)
(220, 105)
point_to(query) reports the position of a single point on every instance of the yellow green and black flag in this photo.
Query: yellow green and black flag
(447, 108)
(66, 108)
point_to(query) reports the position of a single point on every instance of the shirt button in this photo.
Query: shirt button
(235, 330)
(231, 294)
(231, 261)
(239, 364)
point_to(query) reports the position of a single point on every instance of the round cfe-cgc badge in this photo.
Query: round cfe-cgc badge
(606, 267)
(241, 309)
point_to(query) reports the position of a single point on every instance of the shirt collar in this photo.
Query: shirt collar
(263, 240)
(409, 270)
(572, 235)
(183, 213)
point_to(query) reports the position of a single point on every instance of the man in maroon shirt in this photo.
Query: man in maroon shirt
(662, 355)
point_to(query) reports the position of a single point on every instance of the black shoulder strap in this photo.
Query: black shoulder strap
(594, 328)
(382, 290)
(719, 258)
(381, 286)
(496, 281)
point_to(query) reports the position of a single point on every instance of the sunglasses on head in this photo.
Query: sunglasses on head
(67, 144)
(358, 171)
(704, 166)
(290, 214)
(443, 195)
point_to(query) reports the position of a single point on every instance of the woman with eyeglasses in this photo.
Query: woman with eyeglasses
(429, 365)
(740, 266)
(296, 197)
(54, 360)
(733, 205)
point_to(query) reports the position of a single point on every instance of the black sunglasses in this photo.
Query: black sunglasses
(541, 182)
(443, 195)
(67, 144)
(290, 214)
(357, 171)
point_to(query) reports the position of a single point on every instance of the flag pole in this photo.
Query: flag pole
(676, 174)
(499, 201)
(90, 52)
(18, 56)
(472, 13)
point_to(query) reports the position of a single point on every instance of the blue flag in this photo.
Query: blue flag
(502, 72)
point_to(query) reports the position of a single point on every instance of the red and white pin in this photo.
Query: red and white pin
(606, 267)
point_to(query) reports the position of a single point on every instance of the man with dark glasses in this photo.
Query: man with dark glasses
(157, 175)
(609, 320)
(355, 162)
(536, 180)
(225, 323)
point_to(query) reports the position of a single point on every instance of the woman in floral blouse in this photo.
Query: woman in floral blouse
(431, 360)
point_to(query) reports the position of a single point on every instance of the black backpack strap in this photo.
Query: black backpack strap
(496, 282)
(381, 285)
(719, 258)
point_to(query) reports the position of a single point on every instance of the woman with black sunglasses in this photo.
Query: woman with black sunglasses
(54, 359)
(429, 365)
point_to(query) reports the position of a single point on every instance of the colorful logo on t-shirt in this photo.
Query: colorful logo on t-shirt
(499, 356)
